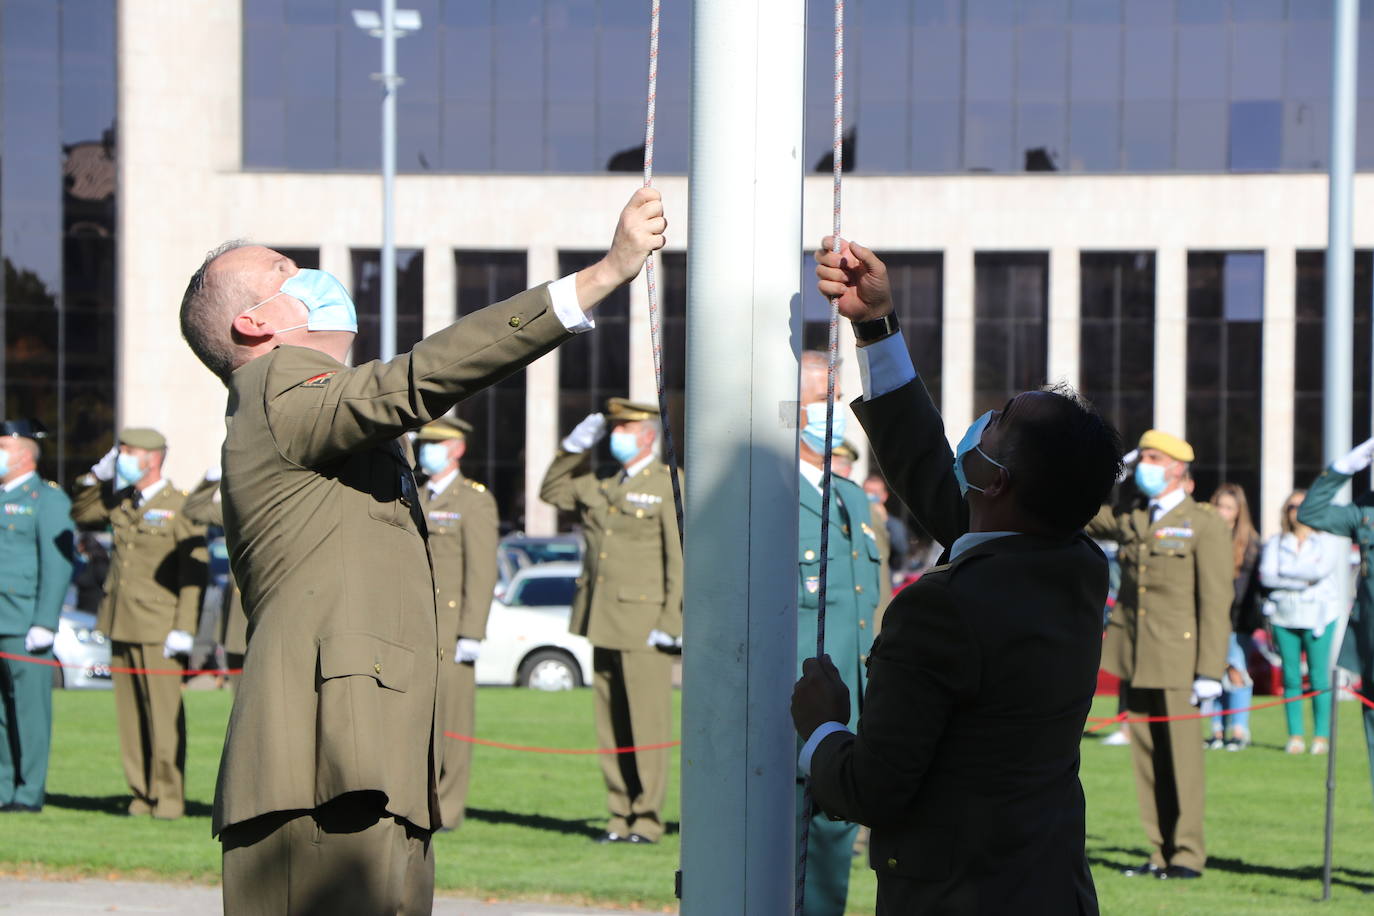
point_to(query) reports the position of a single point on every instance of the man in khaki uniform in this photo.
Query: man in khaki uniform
(152, 602)
(628, 603)
(205, 507)
(328, 786)
(464, 529)
(1167, 640)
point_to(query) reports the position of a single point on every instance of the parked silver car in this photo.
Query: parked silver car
(83, 651)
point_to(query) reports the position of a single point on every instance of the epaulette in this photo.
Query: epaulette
(1207, 507)
(480, 488)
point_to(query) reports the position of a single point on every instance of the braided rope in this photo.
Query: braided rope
(655, 325)
(832, 352)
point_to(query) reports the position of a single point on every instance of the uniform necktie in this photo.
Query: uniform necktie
(1155, 511)
(137, 498)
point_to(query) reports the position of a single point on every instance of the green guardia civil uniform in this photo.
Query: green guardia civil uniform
(851, 602)
(631, 584)
(155, 584)
(464, 530)
(35, 568)
(1354, 521)
(204, 507)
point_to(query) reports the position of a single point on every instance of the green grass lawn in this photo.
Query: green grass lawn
(532, 817)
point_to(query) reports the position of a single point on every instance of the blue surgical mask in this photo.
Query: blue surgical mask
(127, 470)
(970, 444)
(433, 457)
(327, 303)
(624, 446)
(873, 498)
(813, 434)
(4, 462)
(1149, 479)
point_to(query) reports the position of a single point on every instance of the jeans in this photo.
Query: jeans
(1292, 644)
(1233, 697)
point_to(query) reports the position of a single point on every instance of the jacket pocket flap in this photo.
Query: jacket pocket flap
(348, 654)
(648, 593)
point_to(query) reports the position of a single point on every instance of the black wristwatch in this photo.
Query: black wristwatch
(866, 332)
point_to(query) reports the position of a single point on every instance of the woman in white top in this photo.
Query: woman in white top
(1301, 568)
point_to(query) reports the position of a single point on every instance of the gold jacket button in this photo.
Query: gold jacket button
(603, 555)
(441, 654)
(377, 667)
(515, 321)
(858, 588)
(1187, 635)
(863, 624)
(809, 555)
(891, 863)
(453, 604)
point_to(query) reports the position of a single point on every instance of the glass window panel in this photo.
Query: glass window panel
(1094, 137)
(1257, 62)
(671, 145)
(417, 135)
(1259, 10)
(1040, 129)
(1010, 302)
(935, 136)
(1306, 133)
(367, 296)
(1307, 61)
(468, 53)
(936, 62)
(1201, 12)
(1097, 12)
(1256, 136)
(572, 63)
(264, 133)
(881, 133)
(312, 12)
(1149, 63)
(518, 139)
(1364, 134)
(311, 135)
(593, 367)
(1150, 12)
(264, 74)
(1365, 73)
(1147, 136)
(312, 64)
(1200, 136)
(1306, 10)
(1042, 67)
(266, 12)
(468, 136)
(883, 59)
(988, 74)
(303, 257)
(917, 280)
(991, 12)
(622, 62)
(988, 137)
(518, 52)
(360, 145)
(1243, 287)
(936, 12)
(620, 135)
(1044, 12)
(1201, 62)
(571, 139)
(1095, 64)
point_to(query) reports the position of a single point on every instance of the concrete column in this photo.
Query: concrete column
(1064, 335)
(1171, 340)
(958, 345)
(441, 290)
(1276, 392)
(642, 384)
(541, 409)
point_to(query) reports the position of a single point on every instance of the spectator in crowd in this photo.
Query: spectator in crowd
(1301, 569)
(1231, 727)
(897, 534)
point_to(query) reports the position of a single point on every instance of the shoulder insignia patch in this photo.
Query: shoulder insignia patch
(319, 381)
(480, 488)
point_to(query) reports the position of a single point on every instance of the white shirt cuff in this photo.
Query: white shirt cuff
(823, 731)
(885, 366)
(563, 292)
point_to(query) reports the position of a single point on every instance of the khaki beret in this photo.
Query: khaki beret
(846, 449)
(139, 437)
(1167, 443)
(439, 430)
(622, 409)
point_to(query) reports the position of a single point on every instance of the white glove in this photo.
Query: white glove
(178, 642)
(1128, 461)
(1357, 460)
(38, 639)
(467, 650)
(214, 473)
(1205, 688)
(661, 640)
(104, 469)
(585, 434)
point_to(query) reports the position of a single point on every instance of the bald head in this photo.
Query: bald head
(215, 294)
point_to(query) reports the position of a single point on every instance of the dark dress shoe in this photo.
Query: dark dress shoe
(1178, 871)
(638, 838)
(1147, 869)
(610, 836)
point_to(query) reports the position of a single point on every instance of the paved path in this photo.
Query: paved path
(82, 898)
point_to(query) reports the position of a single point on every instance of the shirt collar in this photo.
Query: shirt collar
(152, 490)
(438, 485)
(1169, 501)
(638, 466)
(17, 482)
(811, 474)
(973, 539)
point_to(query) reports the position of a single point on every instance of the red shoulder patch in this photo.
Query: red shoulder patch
(318, 381)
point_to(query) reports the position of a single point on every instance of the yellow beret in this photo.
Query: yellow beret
(439, 430)
(621, 410)
(1167, 443)
(137, 437)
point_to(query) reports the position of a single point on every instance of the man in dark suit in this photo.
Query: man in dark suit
(965, 763)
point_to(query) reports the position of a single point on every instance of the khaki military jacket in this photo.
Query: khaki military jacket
(158, 565)
(1172, 619)
(329, 546)
(464, 529)
(203, 508)
(631, 579)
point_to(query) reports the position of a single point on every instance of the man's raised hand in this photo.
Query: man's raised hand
(857, 277)
(638, 233)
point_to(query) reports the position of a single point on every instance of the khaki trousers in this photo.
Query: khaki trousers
(1169, 776)
(152, 729)
(458, 683)
(634, 703)
(346, 856)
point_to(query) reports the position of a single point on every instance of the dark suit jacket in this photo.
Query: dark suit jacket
(966, 759)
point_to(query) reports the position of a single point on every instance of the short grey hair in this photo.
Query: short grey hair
(207, 313)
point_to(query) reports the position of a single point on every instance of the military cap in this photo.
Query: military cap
(1167, 443)
(27, 429)
(141, 437)
(439, 430)
(619, 410)
(846, 449)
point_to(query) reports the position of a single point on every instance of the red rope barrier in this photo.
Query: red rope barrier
(114, 669)
(1123, 717)
(1359, 696)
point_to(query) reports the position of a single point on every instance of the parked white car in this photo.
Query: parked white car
(528, 643)
(83, 651)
